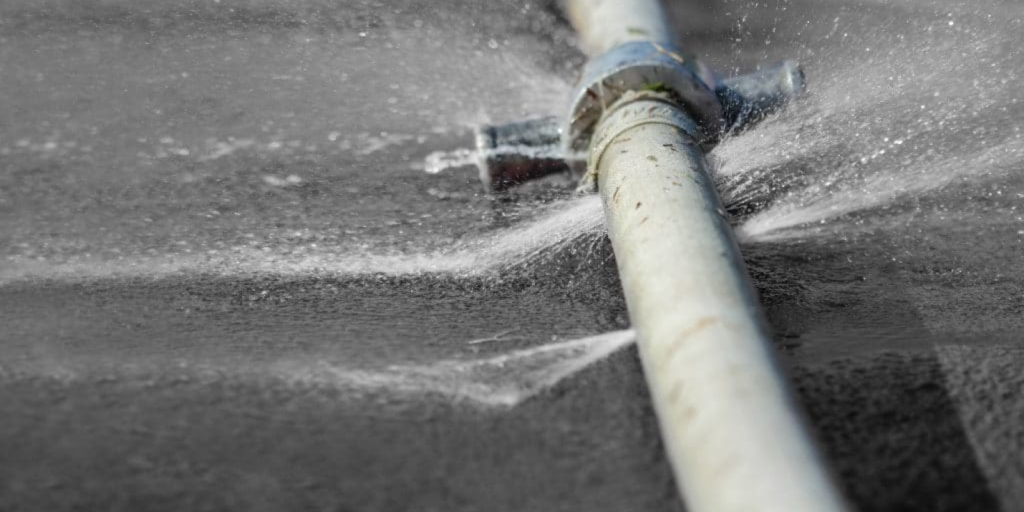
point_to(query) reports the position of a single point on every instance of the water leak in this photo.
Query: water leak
(573, 226)
(217, 236)
(440, 161)
(884, 129)
(887, 139)
(508, 379)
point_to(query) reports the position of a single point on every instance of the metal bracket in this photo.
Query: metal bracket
(514, 153)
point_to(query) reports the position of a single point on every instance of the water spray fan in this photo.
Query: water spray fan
(639, 123)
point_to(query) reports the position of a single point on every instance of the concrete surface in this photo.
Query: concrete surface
(204, 205)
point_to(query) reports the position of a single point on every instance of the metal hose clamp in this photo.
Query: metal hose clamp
(634, 109)
(641, 66)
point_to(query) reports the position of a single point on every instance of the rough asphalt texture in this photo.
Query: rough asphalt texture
(178, 179)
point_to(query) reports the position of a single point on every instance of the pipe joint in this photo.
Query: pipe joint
(638, 66)
(517, 152)
(631, 110)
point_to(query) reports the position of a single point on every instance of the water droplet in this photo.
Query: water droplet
(440, 161)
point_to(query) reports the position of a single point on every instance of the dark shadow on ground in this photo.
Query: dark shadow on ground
(893, 434)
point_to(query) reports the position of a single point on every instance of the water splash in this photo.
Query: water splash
(813, 210)
(881, 131)
(577, 223)
(500, 381)
(509, 379)
(440, 161)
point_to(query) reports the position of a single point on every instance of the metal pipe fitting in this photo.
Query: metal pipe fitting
(640, 66)
(517, 152)
(747, 99)
(513, 153)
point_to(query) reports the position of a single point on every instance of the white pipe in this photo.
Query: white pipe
(605, 24)
(732, 432)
